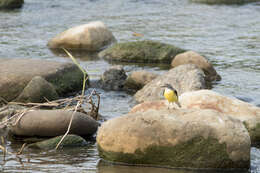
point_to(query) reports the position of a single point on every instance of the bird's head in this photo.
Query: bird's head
(170, 88)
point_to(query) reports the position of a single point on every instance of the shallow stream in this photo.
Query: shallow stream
(228, 35)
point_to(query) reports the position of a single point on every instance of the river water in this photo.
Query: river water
(228, 35)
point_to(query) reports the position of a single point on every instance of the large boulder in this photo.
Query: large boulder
(68, 141)
(141, 52)
(11, 4)
(91, 37)
(207, 99)
(183, 78)
(113, 78)
(54, 123)
(224, 1)
(137, 79)
(15, 74)
(176, 138)
(191, 57)
(37, 91)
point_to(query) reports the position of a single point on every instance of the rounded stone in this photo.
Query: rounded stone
(191, 57)
(207, 99)
(183, 78)
(141, 52)
(137, 79)
(37, 91)
(176, 138)
(54, 123)
(91, 37)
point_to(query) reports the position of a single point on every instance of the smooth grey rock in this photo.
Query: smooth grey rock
(183, 78)
(37, 90)
(114, 78)
(54, 123)
(15, 74)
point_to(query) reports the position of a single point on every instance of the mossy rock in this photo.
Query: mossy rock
(194, 153)
(183, 138)
(11, 4)
(141, 52)
(69, 141)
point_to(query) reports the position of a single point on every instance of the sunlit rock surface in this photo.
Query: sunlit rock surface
(176, 138)
(191, 57)
(183, 78)
(91, 37)
(207, 99)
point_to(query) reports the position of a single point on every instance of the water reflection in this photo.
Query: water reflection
(104, 167)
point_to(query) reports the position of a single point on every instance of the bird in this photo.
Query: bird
(171, 95)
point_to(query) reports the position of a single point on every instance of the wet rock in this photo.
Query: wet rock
(68, 141)
(207, 99)
(224, 1)
(11, 4)
(91, 37)
(15, 74)
(54, 123)
(176, 138)
(191, 57)
(183, 78)
(37, 91)
(113, 78)
(141, 52)
(137, 79)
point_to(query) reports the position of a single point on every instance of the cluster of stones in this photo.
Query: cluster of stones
(208, 131)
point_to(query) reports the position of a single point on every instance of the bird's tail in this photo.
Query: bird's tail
(178, 103)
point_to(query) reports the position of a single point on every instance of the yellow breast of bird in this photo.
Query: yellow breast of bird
(170, 95)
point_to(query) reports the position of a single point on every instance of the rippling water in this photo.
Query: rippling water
(229, 36)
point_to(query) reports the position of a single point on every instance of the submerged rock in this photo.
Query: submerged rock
(183, 78)
(54, 123)
(176, 138)
(207, 99)
(68, 141)
(11, 4)
(137, 79)
(15, 74)
(141, 52)
(37, 91)
(114, 78)
(91, 37)
(191, 57)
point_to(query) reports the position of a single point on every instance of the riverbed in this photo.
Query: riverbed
(228, 35)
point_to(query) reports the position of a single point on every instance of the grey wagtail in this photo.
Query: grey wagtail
(171, 94)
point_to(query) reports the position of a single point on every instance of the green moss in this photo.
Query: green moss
(67, 80)
(253, 132)
(142, 52)
(69, 141)
(196, 153)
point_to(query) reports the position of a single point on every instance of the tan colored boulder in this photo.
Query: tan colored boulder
(137, 79)
(191, 57)
(176, 138)
(92, 37)
(37, 91)
(207, 99)
(15, 74)
(54, 123)
(183, 78)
